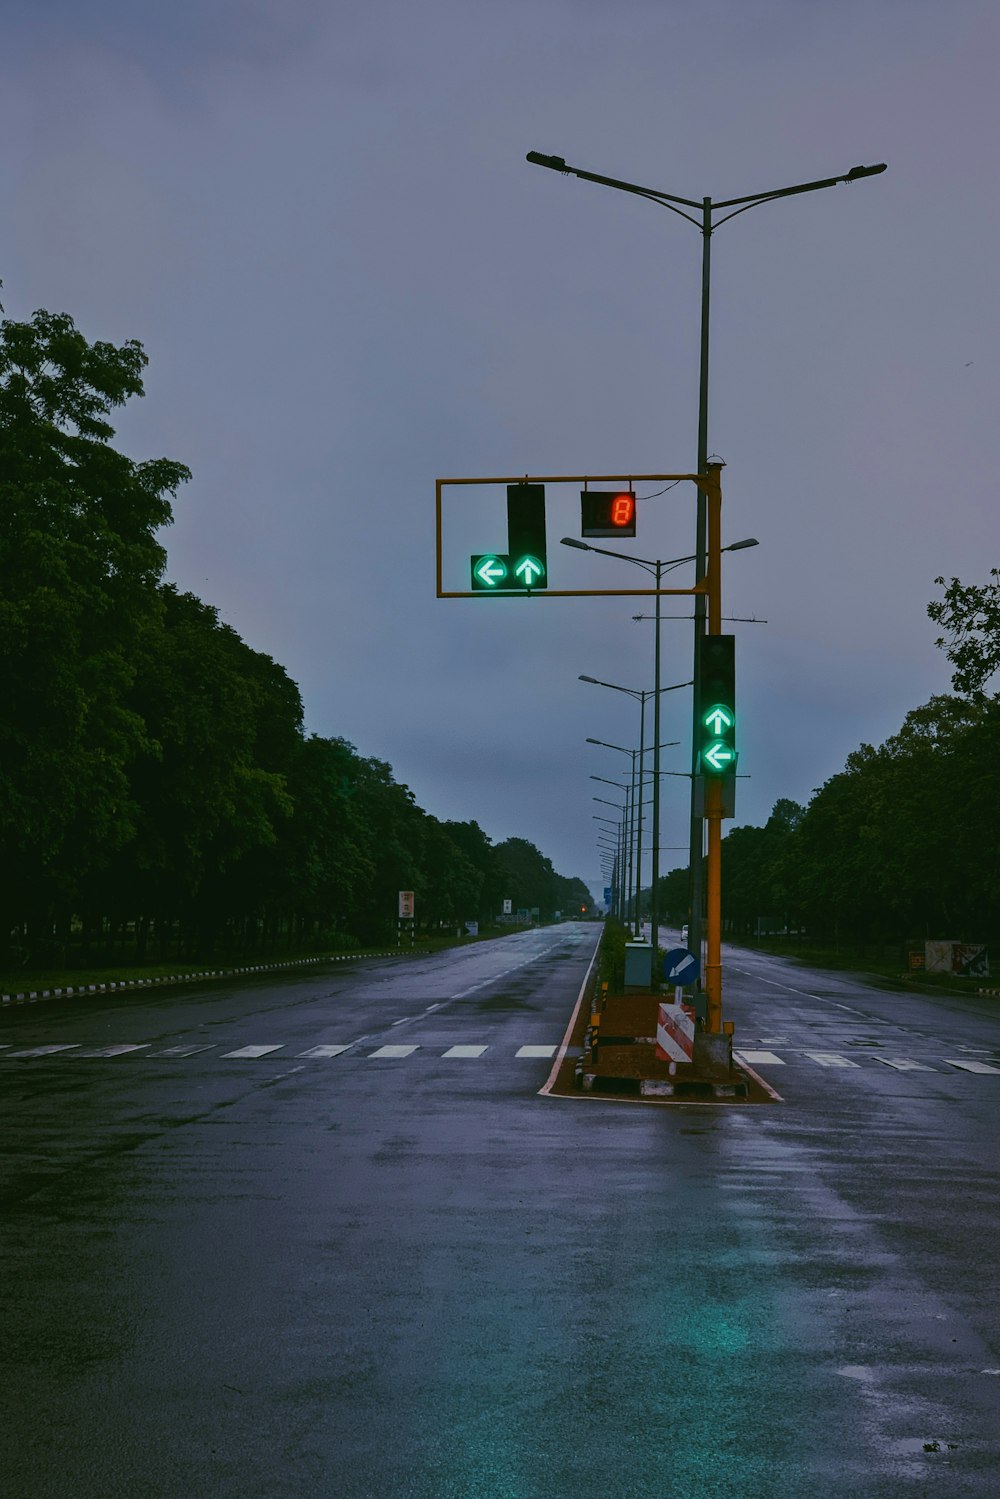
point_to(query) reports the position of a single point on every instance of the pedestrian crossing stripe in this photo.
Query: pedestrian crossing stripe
(253, 1052)
(70, 1050)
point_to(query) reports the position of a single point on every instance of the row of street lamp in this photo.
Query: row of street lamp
(703, 216)
(631, 906)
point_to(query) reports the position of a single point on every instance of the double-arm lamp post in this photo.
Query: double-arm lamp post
(706, 223)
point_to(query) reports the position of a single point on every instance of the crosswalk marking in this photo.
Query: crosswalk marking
(44, 1051)
(474, 1051)
(114, 1051)
(904, 1064)
(249, 1052)
(184, 1051)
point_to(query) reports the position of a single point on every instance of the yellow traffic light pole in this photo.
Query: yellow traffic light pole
(710, 586)
(712, 488)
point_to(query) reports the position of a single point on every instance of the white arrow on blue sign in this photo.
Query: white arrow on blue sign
(680, 966)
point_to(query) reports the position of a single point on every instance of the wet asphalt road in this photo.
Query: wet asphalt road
(261, 1256)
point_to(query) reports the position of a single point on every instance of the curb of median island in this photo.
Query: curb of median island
(564, 1082)
(116, 986)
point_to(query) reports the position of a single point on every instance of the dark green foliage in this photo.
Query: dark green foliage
(156, 787)
(970, 613)
(79, 564)
(904, 842)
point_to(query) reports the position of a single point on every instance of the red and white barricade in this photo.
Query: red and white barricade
(675, 1033)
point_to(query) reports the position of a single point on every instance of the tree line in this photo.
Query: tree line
(156, 782)
(902, 844)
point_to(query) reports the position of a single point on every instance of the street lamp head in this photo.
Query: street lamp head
(583, 678)
(857, 172)
(571, 541)
(739, 546)
(557, 163)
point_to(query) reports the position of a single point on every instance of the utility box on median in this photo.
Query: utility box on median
(638, 966)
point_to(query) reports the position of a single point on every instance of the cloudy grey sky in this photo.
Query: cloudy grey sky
(319, 221)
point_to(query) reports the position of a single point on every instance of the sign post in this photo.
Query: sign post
(405, 914)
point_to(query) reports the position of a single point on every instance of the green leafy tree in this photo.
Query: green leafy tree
(79, 564)
(970, 614)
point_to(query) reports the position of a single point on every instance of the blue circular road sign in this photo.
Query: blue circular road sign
(680, 966)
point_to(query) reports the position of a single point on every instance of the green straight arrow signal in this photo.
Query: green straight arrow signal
(528, 566)
(718, 719)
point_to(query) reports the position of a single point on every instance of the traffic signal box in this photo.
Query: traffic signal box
(526, 536)
(523, 568)
(717, 705)
(608, 512)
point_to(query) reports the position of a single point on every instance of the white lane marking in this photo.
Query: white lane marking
(760, 1058)
(830, 1059)
(971, 1066)
(790, 990)
(536, 1051)
(430, 1008)
(184, 1051)
(113, 1051)
(402, 1020)
(464, 1051)
(44, 1051)
(249, 1052)
(324, 1051)
(904, 1064)
(394, 1051)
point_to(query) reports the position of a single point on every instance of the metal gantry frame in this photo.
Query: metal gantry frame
(707, 587)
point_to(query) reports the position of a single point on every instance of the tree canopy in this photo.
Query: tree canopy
(154, 770)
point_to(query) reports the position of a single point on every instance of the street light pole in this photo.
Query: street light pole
(701, 216)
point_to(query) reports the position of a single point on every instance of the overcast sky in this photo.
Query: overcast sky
(318, 220)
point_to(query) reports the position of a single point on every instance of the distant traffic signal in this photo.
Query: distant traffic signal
(717, 705)
(607, 512)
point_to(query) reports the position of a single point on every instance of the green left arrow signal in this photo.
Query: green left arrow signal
(490, 571)
(719, 755)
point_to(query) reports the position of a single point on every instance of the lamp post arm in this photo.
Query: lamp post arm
(668, 200)
(801, 187)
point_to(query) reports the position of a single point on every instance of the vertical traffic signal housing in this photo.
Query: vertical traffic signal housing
(717, 705)
(607, 512)
(526, 552)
